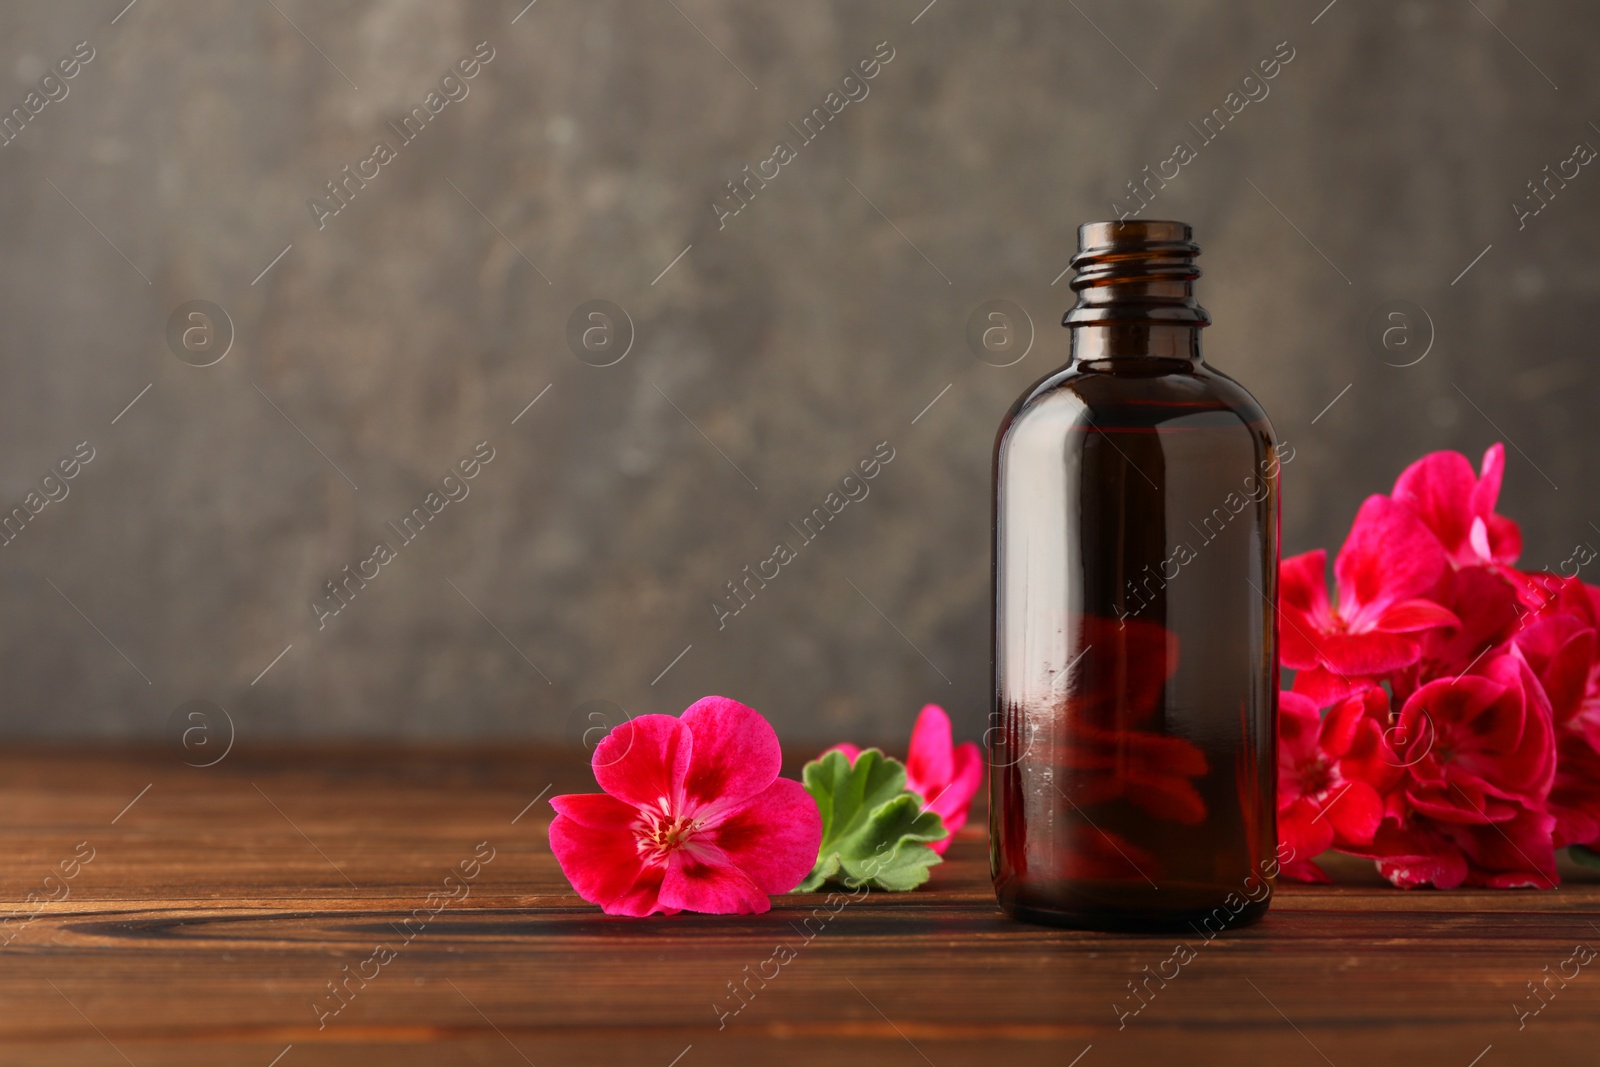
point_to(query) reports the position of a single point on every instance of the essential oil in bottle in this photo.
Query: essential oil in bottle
(1135, 608)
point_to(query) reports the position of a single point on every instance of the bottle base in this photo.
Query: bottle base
(1207, 922)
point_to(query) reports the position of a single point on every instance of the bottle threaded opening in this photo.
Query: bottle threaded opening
(1136, 271)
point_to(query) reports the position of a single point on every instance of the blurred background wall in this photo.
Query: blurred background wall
(772, 350)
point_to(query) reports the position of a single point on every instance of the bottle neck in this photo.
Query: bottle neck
(1135, 286)
(1139, 340)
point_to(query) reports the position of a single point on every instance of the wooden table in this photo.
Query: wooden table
(213, 913)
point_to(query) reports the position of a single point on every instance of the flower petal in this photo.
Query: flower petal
(1561, 651)
(1303, 606)
(773, 837)
(1518, 854)
(1479, 539)
(1300, 828)
(1389, 556)
(1575, 798)
(965, 780)
(1355, 813)
(1338, 727)
(1354, 655)
(1372, 757)
(929, 761)
(1486, 493)
(1409, 616)
(597, 811)
(1298, 724)
(644, 760)
(697, 880)
(604, 867)
(1324, 687)
(850, 751)
(1409, 857)
(1439, 489)
(1444, 869)
(1505, 539)
(955, 802)
(1532, 768)
(736, 753)
(1485, 601)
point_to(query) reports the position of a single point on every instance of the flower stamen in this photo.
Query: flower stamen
(658, 836)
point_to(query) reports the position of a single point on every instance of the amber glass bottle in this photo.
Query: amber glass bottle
(1135, 596)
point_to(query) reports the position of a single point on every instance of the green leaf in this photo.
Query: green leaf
(874, 830)
(1584, 857)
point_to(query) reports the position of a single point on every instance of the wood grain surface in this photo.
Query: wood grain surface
(216, 910)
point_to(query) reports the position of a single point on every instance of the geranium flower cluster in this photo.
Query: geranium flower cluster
(1444, 718)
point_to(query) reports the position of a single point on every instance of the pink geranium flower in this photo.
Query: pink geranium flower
(693, 818)
(1473, 806)
(1387, 564)
(1562, 647)
(1517, 854)
(1332, 771)
(1458, 506)
(1493, 749)
(946, 776)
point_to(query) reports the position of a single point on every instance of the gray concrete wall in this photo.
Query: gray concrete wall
(769, 360)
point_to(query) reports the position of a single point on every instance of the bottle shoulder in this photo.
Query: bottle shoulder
(1157, 393)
